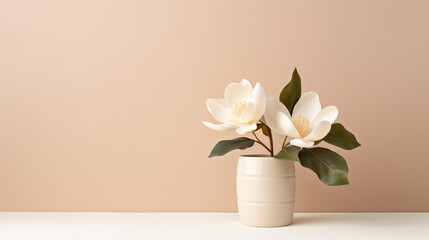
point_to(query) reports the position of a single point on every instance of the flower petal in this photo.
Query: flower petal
(301, 143)
(249, 114)
(308, 106)
(329, 113)
(218, 108)
(246, 129)
(259, 99)
(247, 84)
(286, 125)
(218, 127)
(236, 92)
(270, 116)
(319, 132)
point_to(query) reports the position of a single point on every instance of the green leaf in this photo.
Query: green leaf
(289, 153)
(266, 130)
(329, 166)
(291, 92)
(340, 137)
(225, 146)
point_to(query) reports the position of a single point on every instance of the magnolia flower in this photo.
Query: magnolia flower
(308, 123)
(241, 109)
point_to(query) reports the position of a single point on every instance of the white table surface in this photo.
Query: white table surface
(205, 226)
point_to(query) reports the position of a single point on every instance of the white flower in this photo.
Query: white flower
(241, 109)
(308, 123)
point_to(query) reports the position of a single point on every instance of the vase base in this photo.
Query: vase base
(263, 226)
(266, 214)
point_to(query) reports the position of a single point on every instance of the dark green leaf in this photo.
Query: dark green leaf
(329, 166)
(226, 146)
(266, 130)
(291, 92)
(340, 137)
(289, 153)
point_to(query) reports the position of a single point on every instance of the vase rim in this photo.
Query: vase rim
(256, 156)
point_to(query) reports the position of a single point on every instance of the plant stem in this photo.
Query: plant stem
(270, 136)
(271, 143)
(284, 142)
(260, 142)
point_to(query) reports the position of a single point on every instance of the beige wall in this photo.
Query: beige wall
(101, 101)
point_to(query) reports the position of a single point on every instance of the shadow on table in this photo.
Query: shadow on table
(366, 219)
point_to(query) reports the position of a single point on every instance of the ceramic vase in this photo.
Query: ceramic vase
(265, 191)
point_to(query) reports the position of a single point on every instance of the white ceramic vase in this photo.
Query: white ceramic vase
(265, 191)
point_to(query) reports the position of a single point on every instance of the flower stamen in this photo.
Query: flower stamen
(239, 107)
(301, 124)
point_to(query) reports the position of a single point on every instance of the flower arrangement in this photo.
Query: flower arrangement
(301, 118)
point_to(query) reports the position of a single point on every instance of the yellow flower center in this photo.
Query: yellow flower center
(239, 107)
(301, 124)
